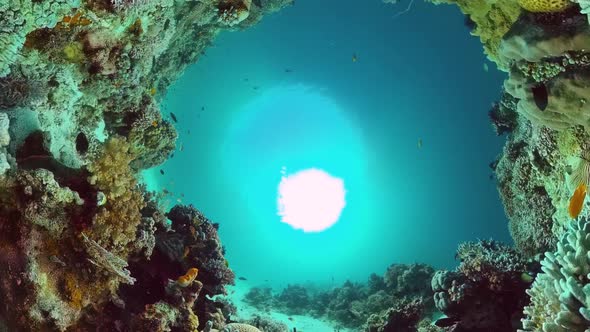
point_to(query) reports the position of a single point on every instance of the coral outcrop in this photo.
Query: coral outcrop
(486, 292)
(560, 295)
(399, 300)
(85, 247)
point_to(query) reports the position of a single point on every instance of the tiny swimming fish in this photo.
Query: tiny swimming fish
(162, 171)
(419, 143)
(354, 58)
(173, 117)
(526, 277)
(181, 147)
(242, 278)
(154, 123)
(577, 201)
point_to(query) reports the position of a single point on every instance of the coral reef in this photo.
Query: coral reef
(397, 300)
(492, 20)
(486, 292)
(80, 86)
(559, 295)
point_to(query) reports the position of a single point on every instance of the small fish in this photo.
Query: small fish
(188, 132)
(242, 278)
(172, 155)
(162, 171)
(173, 117)
(288, 70)
(154, 123)
(354, 57)
(419, 143)
(181, 195)
(290, 318)
(202, 108)
(526, 277)
(577, 201)
(255, 88)
(181, 147)
(486, 68)
(179, 200)
(152, 91)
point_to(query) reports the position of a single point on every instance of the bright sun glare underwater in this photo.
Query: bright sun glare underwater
(311, 200)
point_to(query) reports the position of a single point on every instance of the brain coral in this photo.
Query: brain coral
(560, 296)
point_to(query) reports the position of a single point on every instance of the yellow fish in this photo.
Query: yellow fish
(577, 201)
(354, 58)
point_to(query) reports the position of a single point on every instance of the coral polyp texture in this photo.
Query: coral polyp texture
(545, 6)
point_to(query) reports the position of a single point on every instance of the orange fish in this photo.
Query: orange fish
(188, 278)
(577, 201)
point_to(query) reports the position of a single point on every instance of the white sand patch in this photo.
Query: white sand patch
(301, 323)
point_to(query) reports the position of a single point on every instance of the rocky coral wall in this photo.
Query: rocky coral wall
(544, 110)
(82, 240)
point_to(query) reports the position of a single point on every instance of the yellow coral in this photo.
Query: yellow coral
(73, 291)
(73, 52)
(545, 6)
(116, 222)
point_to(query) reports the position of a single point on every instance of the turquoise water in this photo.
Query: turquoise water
(287, 93)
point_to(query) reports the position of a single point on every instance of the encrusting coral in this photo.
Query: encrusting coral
(545, 6)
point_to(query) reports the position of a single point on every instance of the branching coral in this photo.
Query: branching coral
(560, 296)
